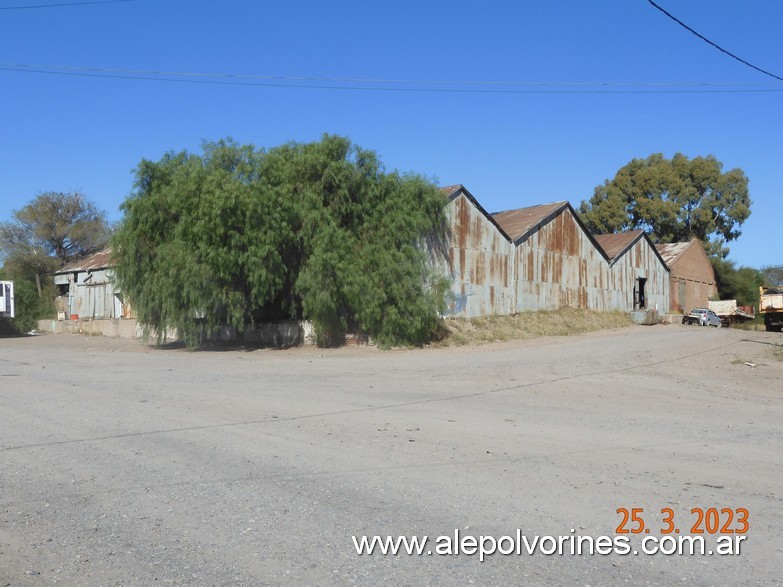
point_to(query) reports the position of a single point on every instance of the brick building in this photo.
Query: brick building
(692, 276)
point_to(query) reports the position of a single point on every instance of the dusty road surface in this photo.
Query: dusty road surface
(127, 465)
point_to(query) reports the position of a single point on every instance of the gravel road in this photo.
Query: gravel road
(123, 464)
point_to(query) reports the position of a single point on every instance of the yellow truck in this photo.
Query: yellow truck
(771, 305)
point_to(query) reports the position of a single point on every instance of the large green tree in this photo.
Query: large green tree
(674, 200)
(236, 235)
(63, 226)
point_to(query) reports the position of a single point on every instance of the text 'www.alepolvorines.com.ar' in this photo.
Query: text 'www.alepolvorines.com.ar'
(521, 544)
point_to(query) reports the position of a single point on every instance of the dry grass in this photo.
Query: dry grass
(465, 331)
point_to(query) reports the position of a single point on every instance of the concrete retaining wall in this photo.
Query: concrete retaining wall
(274, 334)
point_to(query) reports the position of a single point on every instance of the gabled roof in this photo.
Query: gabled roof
(671, 251)
(99, 260)
(451, 192)
(614, 245)
(617, 244)
(521, 222)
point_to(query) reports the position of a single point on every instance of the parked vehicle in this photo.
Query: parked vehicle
(702, 317)
(771, 305)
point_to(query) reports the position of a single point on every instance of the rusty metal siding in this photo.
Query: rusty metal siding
(558, 266)
(481, 269)
(642, 261)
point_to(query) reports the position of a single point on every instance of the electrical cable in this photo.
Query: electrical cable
(718, 47)
(576, 86)
(62, 4)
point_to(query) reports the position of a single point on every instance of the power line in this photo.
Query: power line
(148, 72)
(295, 82)
(61, 4)
(718, 47)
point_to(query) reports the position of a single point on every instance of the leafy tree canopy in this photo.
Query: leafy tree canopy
(53, 229)
(674, 200)
(741, 284)
(237, 235)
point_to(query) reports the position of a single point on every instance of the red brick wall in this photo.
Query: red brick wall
(694, 269)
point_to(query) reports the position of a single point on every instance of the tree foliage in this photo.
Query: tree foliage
(741, 284)
(321, 231)
(674, 200)
(62, 226)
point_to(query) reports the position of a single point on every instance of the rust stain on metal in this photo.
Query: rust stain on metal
(552, 262)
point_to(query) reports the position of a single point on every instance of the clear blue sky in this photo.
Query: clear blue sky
(511, 146)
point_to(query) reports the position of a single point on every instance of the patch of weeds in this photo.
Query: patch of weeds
(525, 325)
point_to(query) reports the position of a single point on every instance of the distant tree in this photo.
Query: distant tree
(53, 229)
(236, 236)
(674, 200)
(773, 274)
(741, 284)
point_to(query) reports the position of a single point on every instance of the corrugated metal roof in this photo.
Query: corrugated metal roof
(522, 221)
(670, 251)
(617, 244)
(614, 245)
(449, 190)
(99, 260)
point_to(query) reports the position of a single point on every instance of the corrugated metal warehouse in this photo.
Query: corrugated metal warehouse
(543, 258)
(693, 281)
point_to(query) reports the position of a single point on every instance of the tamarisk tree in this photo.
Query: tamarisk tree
(238, 235)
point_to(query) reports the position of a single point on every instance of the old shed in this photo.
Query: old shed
(693, 281)
(87, 291)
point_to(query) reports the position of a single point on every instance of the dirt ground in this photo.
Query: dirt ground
(122, 464)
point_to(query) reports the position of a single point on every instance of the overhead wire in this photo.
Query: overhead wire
(718, 47)
(63, 4)
(393, 85)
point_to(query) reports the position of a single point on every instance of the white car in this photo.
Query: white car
(702, 317)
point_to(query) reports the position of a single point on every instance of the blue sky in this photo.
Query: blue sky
(511, 146)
